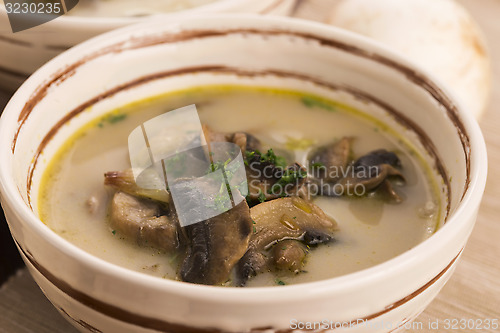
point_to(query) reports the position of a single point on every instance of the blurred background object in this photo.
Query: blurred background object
(10, 260)
(439, 35)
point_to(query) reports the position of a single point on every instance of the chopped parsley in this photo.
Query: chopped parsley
(262, 196)
(312, 102)
(290, 176)
(112, 119)
(317, 165)
(269, 157)
(280, 282)
(214, 166)
(250, 154)
(115, 118)
(272, 158)
(279, 176)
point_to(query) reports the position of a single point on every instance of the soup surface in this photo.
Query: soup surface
(74, 202)
(115, 8)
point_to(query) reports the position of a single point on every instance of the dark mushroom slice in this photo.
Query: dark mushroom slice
(378, 157)
(329, 162)
(369, 180)
(279, 220)
(124, 181)
(216, 245)
(144, 221)
(372, 172)
(219, 240)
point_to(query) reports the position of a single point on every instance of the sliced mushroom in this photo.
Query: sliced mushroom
(144, 221)
(279, 220)
(244, 140)
(266, 179)
(247, 142)
(369, 180)
(328, 162)
(216, 245)
(372, 172)
(376, 158)
(124, 181)
(289, 255)
(285, 256)
(389, 194)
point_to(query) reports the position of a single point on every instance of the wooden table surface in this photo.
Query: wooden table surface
(473, 292)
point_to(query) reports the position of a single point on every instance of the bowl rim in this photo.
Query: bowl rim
(458, 220)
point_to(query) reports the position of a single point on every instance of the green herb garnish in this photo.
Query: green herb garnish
(280, 282)
(114, 118)
(214, 166)
(317, 165)
(250, 154)
(290, 176)
(269, 157)
(312, 102)
(262, 196)
(272, 158)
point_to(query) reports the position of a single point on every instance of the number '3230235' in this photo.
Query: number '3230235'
(33, 8)
(470, 324)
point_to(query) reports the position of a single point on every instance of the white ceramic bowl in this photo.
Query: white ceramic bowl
(24, 52)
(141, 61)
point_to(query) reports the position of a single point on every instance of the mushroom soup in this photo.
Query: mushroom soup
(327, 191)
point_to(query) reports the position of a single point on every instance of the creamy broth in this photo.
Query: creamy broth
(74, 202)
(116, 8)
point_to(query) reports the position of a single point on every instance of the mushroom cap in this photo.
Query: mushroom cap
(438, 35)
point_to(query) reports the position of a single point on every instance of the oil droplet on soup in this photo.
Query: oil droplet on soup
(369, 229)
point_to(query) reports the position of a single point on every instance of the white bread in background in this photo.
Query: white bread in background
(439, 35)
